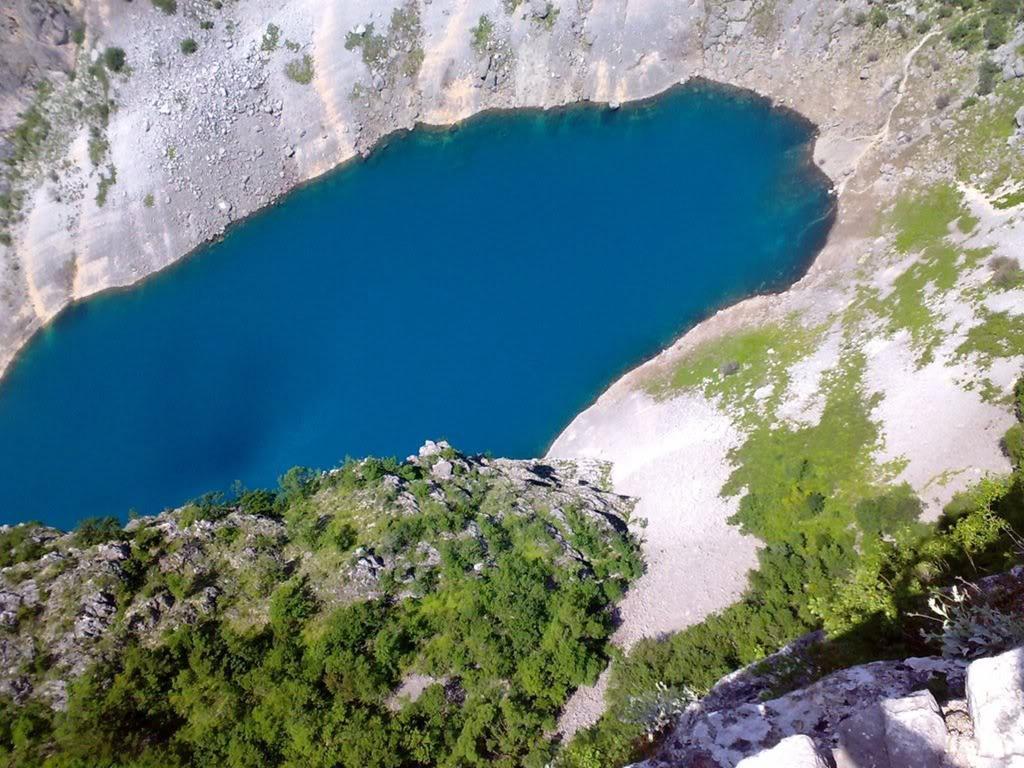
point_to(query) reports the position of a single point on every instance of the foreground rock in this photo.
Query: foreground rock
(879, 715)
(995, 697)
(926, 712)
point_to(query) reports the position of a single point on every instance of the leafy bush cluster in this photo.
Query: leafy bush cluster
(505, 623)
(864, 574)
(984, 21)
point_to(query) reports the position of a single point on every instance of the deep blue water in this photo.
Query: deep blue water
(482, 285)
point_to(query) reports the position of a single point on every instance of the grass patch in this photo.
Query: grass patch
(807, 479)
(169, 7)
(98, 146)
(482, 35)
(372, 46)
(999, 334)
(188, 46)
(923, 221)
(107, 180)
(735, 366)
(300, 70)
(981, 151)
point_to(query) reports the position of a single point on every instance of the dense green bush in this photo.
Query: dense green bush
(115, 59)
(18, 544)
(97, 530)
(506, 626)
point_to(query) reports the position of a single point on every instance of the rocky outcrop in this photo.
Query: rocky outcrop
(995, 697)
(879, 715)
(71, 603)
(35, 43)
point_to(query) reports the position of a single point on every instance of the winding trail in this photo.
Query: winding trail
(883, 134)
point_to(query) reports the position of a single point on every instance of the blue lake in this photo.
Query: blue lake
(482, 285)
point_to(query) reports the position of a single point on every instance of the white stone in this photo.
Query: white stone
(995, 697)
(792, 752)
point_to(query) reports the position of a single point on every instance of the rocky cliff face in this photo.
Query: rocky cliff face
(66, 603)
(930, 712)
(35, 44)
(135, 166)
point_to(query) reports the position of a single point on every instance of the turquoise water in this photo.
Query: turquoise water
(482, 285)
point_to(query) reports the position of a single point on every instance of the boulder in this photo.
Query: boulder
(995, 697)
(915, 734)
(906, 732)
(792, 752)
(862, 740)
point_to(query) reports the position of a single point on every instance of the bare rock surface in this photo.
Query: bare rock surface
(995, 696)
(791, 752)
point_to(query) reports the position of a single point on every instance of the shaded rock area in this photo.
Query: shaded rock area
(929, 712)
(879, 715)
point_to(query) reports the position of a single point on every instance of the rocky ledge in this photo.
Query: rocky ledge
(929, 712)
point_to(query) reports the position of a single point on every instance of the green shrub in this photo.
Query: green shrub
(965, 34)
(987, 72)
(1013, 444)
(300, 70)
(189, 46)
(878, 17)
(98, 530)
(115, 59)
(995, 32)
(271, 37)
(170, 7)
(18, 544)
(482, 34)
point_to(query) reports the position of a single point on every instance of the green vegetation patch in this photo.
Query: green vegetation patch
(808, 478)
(300, 70)
(482, 35)
(734, 366)
(399, 52)
(866, 583)
(979, 142)
(169, 7)
(922, 221)
(999, 334)
(107, 180)
(500, 600)
(271, 38)
(19, 543)
(115, 59)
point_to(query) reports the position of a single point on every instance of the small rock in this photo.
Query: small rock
(1018, 118)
